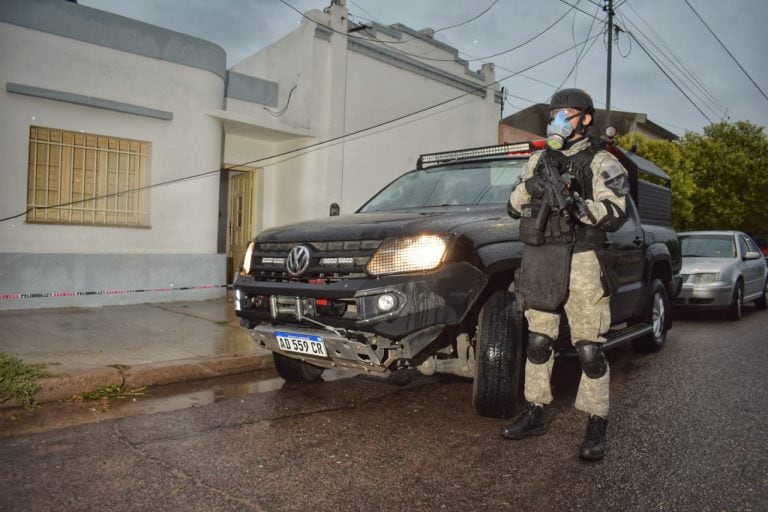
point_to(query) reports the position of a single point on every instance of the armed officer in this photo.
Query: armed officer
(571, 194)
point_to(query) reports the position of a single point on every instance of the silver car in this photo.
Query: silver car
(722, 269)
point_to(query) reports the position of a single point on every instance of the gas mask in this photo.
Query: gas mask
(559, 129)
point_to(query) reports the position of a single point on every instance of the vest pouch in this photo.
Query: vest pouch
(559, 230)
(589, 237)
(529, 235)
(610, 278)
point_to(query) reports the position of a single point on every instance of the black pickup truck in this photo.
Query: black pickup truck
(423, 275)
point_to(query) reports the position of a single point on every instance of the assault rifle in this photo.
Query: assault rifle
(557, 197)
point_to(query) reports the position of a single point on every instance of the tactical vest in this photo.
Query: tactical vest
(560, 229)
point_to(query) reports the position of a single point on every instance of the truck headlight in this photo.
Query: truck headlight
(710, 277)
(407, 254)
(246, 268)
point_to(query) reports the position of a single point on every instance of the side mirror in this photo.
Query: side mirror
(752, 255)
(334, 209)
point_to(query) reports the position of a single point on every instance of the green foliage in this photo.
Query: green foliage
(111, 391)
(719, 179)
(103, 394)
(18, 380)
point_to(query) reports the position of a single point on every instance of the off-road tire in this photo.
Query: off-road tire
(657, 313)
(293, 370)
(498, 356)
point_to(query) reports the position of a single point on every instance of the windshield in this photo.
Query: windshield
(708, 246)
(481, 183)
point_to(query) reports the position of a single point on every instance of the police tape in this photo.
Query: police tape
(51, 295)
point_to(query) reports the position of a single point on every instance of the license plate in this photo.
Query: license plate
(301, 343)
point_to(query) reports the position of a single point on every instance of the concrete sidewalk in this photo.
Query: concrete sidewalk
(147, 344)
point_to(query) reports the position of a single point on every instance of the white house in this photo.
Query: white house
(135, 166)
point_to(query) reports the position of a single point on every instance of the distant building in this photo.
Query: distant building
(136, 166)
(531, 123)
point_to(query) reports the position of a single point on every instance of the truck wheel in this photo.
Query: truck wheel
(736, 309)
(761, 303)
(656, 313)
(498, 353)
(293, 370)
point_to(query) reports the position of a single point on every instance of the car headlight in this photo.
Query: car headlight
(707, 278)
(246, 268)
(407, 254)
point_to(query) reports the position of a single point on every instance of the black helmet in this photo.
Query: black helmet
(572, 98)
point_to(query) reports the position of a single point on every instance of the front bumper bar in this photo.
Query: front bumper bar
(442, 297)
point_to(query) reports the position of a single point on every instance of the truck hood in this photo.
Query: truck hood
(380, 225)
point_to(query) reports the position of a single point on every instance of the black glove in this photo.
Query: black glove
(535, 187)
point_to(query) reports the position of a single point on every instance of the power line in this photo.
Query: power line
(488, 56)
(726, 49)
(716, 110)
(373, 18)
(472, 58)
(372, 36)
(414, 113)
(670, 51)
(668, 77)
(469, 20)
(582, 53)
(580, 9)
(676, 71)
(310, 147)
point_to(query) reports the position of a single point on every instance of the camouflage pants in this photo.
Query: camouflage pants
(589, 316)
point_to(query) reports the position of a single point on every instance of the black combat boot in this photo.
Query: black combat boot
(593, 447)
(532, 421)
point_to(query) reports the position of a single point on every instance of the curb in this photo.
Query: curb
(63, 387)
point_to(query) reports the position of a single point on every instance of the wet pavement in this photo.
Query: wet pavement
(687, 432)
(147, 344)
(150, 400)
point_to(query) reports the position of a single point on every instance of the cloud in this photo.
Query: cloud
(242, 27)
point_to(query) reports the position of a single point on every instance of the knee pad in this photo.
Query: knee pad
(592, 359)
(539, 348)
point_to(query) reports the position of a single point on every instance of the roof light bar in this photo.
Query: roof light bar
(472, 153)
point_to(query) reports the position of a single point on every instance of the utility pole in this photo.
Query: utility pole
(609, 9)
(503, 95)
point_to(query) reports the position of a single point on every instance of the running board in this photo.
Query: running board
(626, 334)
(615, 338)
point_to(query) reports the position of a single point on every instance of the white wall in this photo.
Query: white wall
(343, 91)
(376, 93)
(183, 216)
(189, 144)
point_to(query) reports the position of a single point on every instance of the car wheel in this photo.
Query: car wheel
(761, 302)
(657, 313)
(498, 356)
(293, 370)
(736, 309)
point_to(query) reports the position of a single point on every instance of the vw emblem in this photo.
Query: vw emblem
(298, 260)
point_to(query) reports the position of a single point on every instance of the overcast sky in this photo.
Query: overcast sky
(669, 30)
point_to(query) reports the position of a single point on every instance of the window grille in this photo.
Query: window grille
(81, 178)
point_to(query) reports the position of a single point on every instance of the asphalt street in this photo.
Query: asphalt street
(687, 431)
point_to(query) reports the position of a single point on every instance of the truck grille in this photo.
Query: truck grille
(328, 261)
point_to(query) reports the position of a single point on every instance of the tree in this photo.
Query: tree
(719, 179)
(730, 168)
(669, 156)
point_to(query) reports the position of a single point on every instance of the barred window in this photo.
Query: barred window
(81, 178)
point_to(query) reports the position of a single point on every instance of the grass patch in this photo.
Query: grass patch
(113, 391)
(103, 394)
(18, 380)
